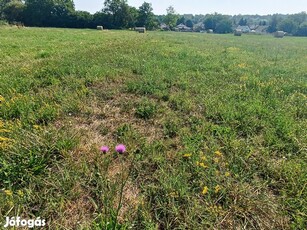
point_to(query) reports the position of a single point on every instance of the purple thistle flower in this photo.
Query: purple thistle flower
(120, 148)
(104, 149)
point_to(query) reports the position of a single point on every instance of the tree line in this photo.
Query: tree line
(117, 14)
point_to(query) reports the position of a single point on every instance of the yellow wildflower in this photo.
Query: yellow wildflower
(187, 155)
(2, 99)
(217, 189)
(197, 163)
(205, 190)
(218, 154)
(203, 158)
(174, 194)
(216, 160)
(203, 165)
(8, 192)
(4, 139)
(20, 193)
(227, 174)
(37, 127)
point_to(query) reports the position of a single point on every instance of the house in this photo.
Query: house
(163, 26)
(244, 29)
(183, 28)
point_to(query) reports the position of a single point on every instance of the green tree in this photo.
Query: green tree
(80, 19)
(48, 12)
(180, 20)
(171, 17)
(2, 5)
(13, 11)
(218, 23)
(302, 30)
(146, 16)
(273, 23)
(288, 25)
(243, 22)
(189, 23)
(119, 13)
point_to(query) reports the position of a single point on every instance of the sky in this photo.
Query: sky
(231, 7)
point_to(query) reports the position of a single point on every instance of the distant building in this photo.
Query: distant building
(163, 26)
(183, 28)
(244, 29)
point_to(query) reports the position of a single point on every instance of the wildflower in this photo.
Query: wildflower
(104, 149)
(187, 155)
(217, 189)
(203, 165)
(37, 127)
(174, 194)
(20, 193)
(203, 158)
(218, 154)
(4, 139)
(197, 163)
(216, 160)
(205, 190)
(227, 174)
(2, 99)
(120, 148)
(8, 192)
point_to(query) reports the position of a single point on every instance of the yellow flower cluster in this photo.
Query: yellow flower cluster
(8, 192)
(218, 153)
(174, 194)
(187, 155)
(217, 189)
(205, 190)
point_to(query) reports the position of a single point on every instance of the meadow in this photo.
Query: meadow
(214, 125)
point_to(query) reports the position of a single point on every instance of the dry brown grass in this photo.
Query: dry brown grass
(253, 208)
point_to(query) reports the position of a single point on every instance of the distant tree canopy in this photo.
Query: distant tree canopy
(171, 17)
(12, 11)
(146, 16)
(218, 23)
(118, 14)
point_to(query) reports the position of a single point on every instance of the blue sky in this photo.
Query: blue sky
(232, 7)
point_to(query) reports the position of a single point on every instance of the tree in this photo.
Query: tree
(13, 11)
(171, 17)
(273, 23)
(224, 26)
(288, 25)
(180, 20)
(80, 19)
(146, 17)
(218, 23)
(119, 13)
(48, 12)
(243, 22)
(302, 30)
(189, 23)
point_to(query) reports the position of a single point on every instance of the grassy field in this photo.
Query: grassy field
(215, 129)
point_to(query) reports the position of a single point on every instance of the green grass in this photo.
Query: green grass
(195, 111)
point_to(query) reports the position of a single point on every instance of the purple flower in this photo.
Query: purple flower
(104, 149)
(120, 148)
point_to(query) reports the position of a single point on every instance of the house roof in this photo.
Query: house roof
(243, 28)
